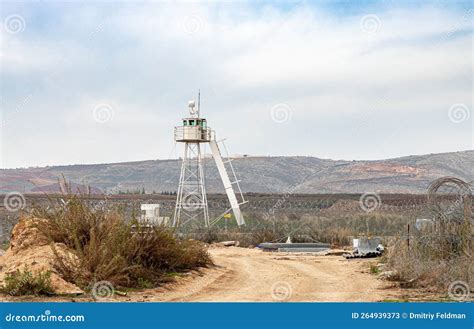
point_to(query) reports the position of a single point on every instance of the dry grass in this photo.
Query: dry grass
(105, 247)
(440, 254)
(425, 264)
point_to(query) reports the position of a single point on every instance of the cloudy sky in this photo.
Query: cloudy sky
(106, 82)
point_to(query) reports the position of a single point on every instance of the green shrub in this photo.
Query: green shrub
(26, 282)
(374, 269)
(144, 284)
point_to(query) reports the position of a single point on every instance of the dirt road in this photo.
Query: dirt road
(243, 274)
(252, 275)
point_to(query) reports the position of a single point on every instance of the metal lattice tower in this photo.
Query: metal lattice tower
(191, 200)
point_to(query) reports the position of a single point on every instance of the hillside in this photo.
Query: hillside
(295, 174)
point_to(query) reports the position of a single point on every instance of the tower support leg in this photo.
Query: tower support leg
(191, 210)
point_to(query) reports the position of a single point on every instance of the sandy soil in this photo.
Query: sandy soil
(252, 275)
(244, 274)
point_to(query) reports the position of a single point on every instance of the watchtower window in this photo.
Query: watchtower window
(192, 123)
(185, 122)
(204, 123)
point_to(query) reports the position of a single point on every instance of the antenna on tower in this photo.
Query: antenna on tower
(199, 103)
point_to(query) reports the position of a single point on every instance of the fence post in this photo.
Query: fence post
(408, 236)
(466, 229)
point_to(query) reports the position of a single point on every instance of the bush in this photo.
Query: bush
(25, 282)
(107, 248)
(374, 269)
(423, 264)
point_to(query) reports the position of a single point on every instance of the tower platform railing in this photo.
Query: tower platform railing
(192, 134)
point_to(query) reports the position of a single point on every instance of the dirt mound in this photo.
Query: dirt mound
(26, 235)
(30, 247)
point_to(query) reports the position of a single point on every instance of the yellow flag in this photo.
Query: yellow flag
(227, 216)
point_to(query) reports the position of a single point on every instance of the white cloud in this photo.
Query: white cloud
(147, 60)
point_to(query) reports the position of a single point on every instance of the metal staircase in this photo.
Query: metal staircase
(231, 187)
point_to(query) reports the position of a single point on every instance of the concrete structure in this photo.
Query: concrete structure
(151, 215)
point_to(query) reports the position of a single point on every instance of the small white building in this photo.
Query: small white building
(151, 215)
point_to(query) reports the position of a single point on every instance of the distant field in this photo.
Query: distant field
(260, 206)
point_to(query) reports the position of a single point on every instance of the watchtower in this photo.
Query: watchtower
(191, 200)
